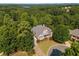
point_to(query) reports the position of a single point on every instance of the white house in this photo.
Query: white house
(41, 32)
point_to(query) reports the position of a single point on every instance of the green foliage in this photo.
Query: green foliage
(34, 20)
(24, 37)
(14, 38)
(25, 41)
(56, 20)
(73, 51)
(7, 19)
(16, 23)
(24, 16)
(7, 39)
(61, 33)
(1, 17)
(69, 52)
(23, 26)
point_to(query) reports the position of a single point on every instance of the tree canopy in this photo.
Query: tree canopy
(61, 33)
(73, 50)
(16, 23)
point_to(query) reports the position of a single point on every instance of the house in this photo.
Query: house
(57, 50)
(41, 32)
(74, 34)
(67, 8)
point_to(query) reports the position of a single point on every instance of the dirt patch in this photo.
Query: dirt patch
(20, 53)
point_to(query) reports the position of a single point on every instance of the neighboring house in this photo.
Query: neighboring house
(74, 34)
(41, 32)
(57, 50)
(67, 8)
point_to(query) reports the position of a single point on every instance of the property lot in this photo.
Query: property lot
(46, 44)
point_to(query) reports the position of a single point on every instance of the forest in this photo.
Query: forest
(16, 23)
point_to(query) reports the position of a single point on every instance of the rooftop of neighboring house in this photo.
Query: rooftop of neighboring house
(41, 30)
(75, 32)
(57, 50)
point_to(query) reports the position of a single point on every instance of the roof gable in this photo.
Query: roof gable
(74, 32)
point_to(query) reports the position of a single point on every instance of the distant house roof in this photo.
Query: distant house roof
(57, 50)
(75, 32)
(41, 29)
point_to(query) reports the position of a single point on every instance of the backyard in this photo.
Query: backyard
(46, 44)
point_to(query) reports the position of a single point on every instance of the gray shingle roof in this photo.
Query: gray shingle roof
(58, 47)
(75, 32)
(37, 30)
